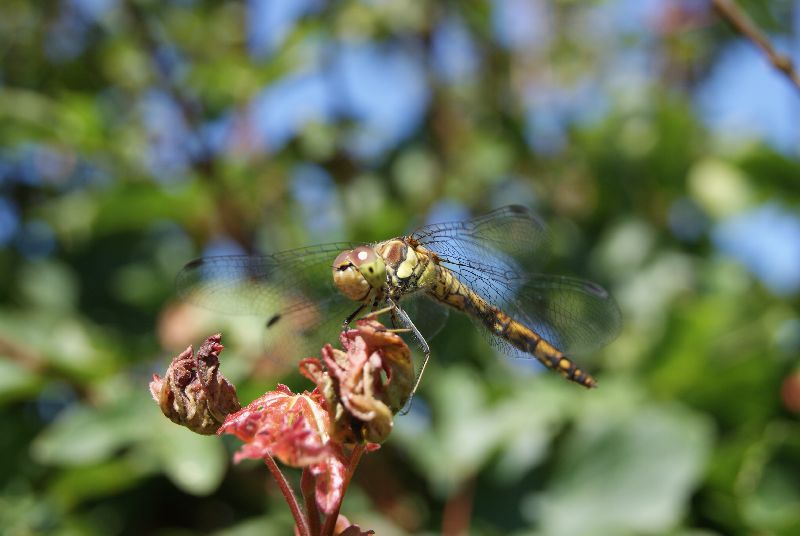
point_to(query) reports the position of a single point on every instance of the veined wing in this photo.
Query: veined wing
(492, 253)
(292, 290)
(574, 315)
(499, 255)
(426, 314)
(261, 285)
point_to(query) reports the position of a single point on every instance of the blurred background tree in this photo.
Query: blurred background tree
(661, 146)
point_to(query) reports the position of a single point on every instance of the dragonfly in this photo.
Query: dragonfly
(489, 268)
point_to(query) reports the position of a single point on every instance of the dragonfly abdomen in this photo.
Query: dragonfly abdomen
(450, 291)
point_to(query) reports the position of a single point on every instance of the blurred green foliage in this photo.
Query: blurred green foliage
(130, 142)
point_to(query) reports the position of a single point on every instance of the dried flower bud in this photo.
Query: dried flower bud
(364, 385)
(193, 393)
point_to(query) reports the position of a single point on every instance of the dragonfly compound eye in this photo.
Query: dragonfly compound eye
(355, 272)
(370, 264)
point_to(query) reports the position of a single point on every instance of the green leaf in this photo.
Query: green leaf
(76, 485)
(627, 467)
(16, 381)
(467, 431)
(281, 524)
(194, 463)
(84, 435)
(766, 484)
(23, 512)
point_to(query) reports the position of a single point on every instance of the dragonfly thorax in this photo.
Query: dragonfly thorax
(358, 271)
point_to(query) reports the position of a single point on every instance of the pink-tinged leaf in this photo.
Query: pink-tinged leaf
(330, 477)
(294, 429)
(358, 391)
(291, 427)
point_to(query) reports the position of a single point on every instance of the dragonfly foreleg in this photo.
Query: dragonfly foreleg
(401, 317)
(351, 317)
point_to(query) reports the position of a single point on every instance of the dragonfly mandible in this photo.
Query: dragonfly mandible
(488, 268)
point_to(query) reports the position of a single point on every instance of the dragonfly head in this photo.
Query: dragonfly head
(357, 271)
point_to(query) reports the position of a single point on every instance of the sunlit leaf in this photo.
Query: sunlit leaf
(626, 470)
(195, 463)
(84, 435)
(16, 381)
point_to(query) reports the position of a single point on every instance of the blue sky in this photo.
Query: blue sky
(766, 240)
(747, 98)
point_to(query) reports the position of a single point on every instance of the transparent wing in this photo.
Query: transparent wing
(493, 253)
(302, 332)
(499, 255)
(292, 290)
(261, 285)
(427, 315)
(574, 315)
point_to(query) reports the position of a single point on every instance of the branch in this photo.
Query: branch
(307, 484)
(458, 509)
(738, 19)
(288, 494)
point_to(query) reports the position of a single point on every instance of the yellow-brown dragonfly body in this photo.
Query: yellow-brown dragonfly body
(489, 268)
(401, 267)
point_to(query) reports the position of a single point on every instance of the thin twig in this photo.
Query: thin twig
(288, 493)
(330, 521)
(742, 23)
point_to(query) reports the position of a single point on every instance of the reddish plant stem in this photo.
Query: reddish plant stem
(307, 483)
(355, 457)
(288, 494)
(733, 14)
(458, 510)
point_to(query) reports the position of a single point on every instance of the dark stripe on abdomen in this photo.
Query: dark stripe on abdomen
(450, 291)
